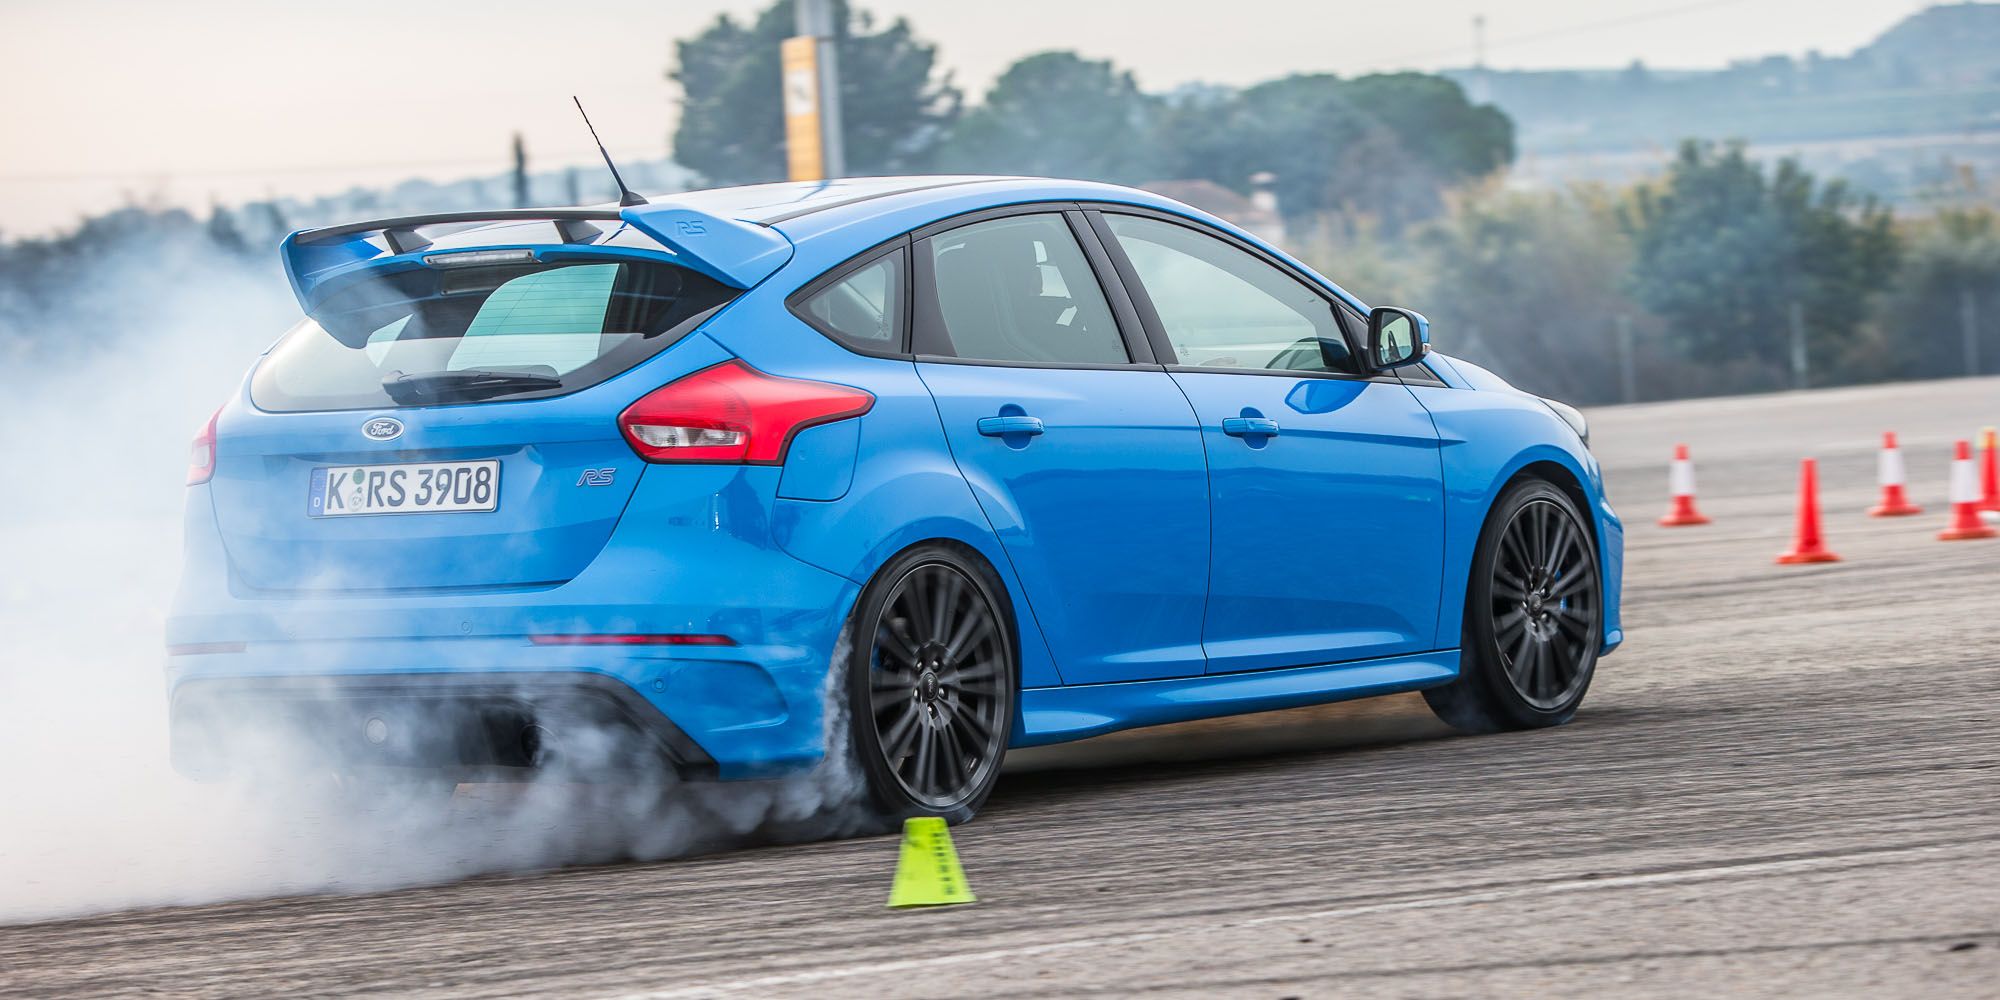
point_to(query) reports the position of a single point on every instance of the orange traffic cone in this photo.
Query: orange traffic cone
(1965, 523)
(1889, 469)
(1989, 474)
(1809, 548)
(1680, 480)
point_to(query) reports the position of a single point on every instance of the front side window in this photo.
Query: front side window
(466, 335)
(864, 308)
(1020, 289)
(1222, 307)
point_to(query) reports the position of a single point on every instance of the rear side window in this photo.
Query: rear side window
(1018, 289)
(465, 335)
(863, 309)
(1223, 307)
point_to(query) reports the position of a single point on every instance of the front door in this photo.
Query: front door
(1089, 466)
(1326, 486)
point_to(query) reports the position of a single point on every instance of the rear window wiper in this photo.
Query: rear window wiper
(466, 383)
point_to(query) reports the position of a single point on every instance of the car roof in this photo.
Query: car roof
(805, 209)
(825, 221)
(851, 214)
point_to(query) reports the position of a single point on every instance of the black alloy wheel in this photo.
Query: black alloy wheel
(1544, 604)
(1533, 616)
(934, 706)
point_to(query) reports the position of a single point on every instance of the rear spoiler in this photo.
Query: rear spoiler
(736, 253)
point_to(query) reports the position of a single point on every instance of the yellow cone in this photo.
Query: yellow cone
(927, 871)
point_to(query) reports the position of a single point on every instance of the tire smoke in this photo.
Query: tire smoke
(90, 520)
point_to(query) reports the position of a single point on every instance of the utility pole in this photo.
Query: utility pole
(520, 172)
(1628, 376)
(1968, 324)
(1480, 91)
(811, 67)
(1798, 317)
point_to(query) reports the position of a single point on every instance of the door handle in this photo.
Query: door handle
(1247, 426)
(998, 426)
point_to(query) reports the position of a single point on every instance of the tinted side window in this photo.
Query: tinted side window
(1020, 289)
(865, 308)
(1222, 307)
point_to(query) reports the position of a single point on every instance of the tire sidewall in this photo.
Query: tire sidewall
(885, 790)
(1482, 648)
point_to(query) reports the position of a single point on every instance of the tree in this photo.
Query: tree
(1529, 284)
(223, 233)
(1059, 114)
(1952, 257)
(1375, 150)
(894, 110)
(1723, 251)
(1432, 119)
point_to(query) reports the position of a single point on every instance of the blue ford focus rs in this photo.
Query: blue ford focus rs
(913, 470)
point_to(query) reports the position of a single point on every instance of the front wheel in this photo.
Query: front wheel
(931, 670)
(1533, 617)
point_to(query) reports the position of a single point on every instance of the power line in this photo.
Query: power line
(173, 173)
(1573, 29)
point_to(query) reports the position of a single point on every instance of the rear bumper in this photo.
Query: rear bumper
(586, 723)
(726, 712)
(693, 553)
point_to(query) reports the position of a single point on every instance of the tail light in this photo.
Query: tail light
(201, 455)
(733, 413)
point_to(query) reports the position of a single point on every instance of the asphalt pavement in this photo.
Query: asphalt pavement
(1786, 784)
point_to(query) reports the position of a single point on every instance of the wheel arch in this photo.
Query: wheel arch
(1562, 470)
(1477, 474)
(1555, 474)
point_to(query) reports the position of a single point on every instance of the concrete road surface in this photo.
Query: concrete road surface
(1786, 784)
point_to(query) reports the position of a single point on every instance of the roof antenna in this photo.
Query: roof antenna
(626, 196)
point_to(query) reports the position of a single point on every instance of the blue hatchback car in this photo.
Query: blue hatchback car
(966, 463)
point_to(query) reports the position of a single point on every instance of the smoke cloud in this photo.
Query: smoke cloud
(99, 398)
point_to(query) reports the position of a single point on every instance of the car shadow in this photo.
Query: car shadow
(1175, 751)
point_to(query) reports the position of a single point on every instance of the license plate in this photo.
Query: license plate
(414, 488)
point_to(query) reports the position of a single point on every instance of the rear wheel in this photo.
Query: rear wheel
(931, 684)
(1533, 617)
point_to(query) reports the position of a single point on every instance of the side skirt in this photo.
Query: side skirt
(1057, 714)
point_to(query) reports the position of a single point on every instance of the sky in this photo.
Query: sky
(220, 101)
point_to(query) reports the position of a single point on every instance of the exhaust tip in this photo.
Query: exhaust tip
(539, 746)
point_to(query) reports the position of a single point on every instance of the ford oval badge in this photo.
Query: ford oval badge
(382, 429)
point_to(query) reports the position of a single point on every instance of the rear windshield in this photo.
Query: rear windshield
(471, 334)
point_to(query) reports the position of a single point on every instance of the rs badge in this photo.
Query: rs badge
(597, 477)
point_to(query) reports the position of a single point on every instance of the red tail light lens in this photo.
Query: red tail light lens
(201, 455)
(733, 413)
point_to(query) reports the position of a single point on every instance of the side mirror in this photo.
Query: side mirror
(1397, 337)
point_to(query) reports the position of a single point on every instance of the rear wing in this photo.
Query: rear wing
(736, 253)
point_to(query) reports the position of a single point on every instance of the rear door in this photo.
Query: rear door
(433, 428)
(1326, 484)
(1084, 455)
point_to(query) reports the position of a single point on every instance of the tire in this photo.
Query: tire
(1534, 616)
(931, 676)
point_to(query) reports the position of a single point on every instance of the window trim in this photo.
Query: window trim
(927, 316)
(900, 349)
(1149, 317)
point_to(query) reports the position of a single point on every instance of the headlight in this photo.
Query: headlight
(1571, 416)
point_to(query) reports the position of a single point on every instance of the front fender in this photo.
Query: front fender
(1486, 439)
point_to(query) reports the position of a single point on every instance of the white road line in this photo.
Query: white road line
(1857, 859)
